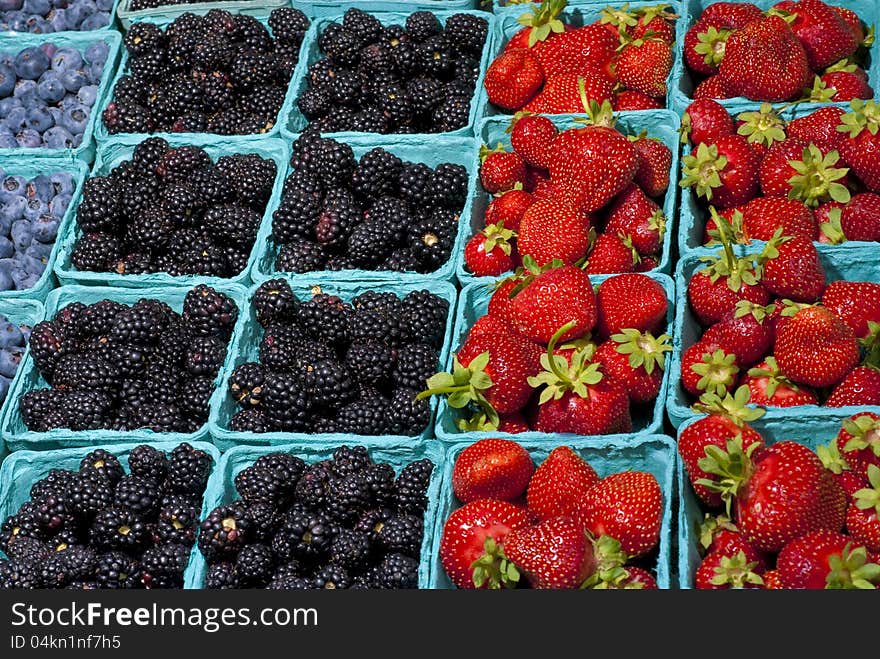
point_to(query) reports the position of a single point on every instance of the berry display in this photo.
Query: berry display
(45, 17)
(205, 222)
(325, 525)
(218, 73)
(414, 78)
(100, 527)
(137, 368)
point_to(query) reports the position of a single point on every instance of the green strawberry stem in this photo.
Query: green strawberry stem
(832, 229)
(643, 349)
(465, 385)
(737, 572)
(717, 372)
(831, 459)
(734, 228)
(732, 466)
(559, 376)
(775, 377)
(497, 236)
(493, 569)
(544, 21)
(710, 525)
(871, 345)
(865, 431)
(711, 45)
(864, 116)
(736, 271)
(702, 169)
(852, 570)
(763, 126)
(734, 407)
(868, 498)
(816, 180)
(610, 569)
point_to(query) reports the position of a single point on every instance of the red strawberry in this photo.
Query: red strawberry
(561, 94)
(825, 35)
(636, 361)
(856, 303)
(552, 299)
(657, 21)
(719, 571)
(772, 580)
(828, 216)
(627, 577)
(508, 209)
(560, 484)
(500, 302)
(846, 85)
(471, 538)
(763, 216)
(554, 554)
(630, 301)
(513, 78)
(633, 214)
(531, 136)
(489, 324)
(728, 542)
(628, 507)
(489, 253)
(815, 348)
(863, 514)
(706, 120)
(861, 386)
(712, 87)
(539, 26)
(731, 15)
(588, 50)
(648, 263)
(655, 160)
(853, 21)
(826, 559)
(860, 147)
(799, 170)
(859, 441)
(501, 170)
(644, 66)
(708, 368)
(746, 332)
(769, 387)
(553, 230)
(724, 172)
(765, 61)
(492, 469)
(704, 46)
(819, 128)
(792, 269)
(716, 289)
(611, 254)
(860, 219)
(628, 100)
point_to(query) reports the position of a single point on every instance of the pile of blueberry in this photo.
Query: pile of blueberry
(44, 16)
(47, 94)
(30, 213)
(13, 340)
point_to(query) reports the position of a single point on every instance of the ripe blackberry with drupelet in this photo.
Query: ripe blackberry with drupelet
(222, 576)
(397, 572)
(223, 533)
(300, 256)
(188, 470)
(411, 486)
(139, 495)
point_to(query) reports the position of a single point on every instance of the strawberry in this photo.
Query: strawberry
(481, 422)
(559, 484)
(587, 50)
(554, 554)
(731, 220)
(765, 61)
(628, 577)
(545, 190)
(636, 361)
(704, 46)
(772, 580)
(762, 128)
(551, 299)
(705, 120)
(799, 170)
(860, 147)
(731, 15)
(534, 178)
(654, 162)
(863, 514)
(846, 85)
(861, 386)
(853, 21)
(857, 303)
(488, 253)
(815, 347)
(762, 216)
(860, 219)
(657, 21)
(633, 214)
(500, 170)
(727, 540)
(720, 571)
(561, 94)
(793, 270)
(825, 35)
(819, 128)
(714, 290)
(770, 388)
(643, 65)
(553, 230)
(833, 461)
(826, 559)
(630, 301)
(489, 324)
(712, 88)
(745, 331)
(627, 100)
(471, 537)
(531, 136)
(592, 164)
(859, 441)
(513, 78)
(539, 26)
(500, 302)
(611, 254)
(648, 263)
(708, 368)
(492, 469)
(724, 172)
(628, 507)
(508, 209)
(828, 216)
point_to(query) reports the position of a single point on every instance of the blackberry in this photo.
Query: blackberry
(397, 571)
(411, 486)
(140, 327)
(284, 347)
(146, 462)
(224, 533)
(339, 262)
(286, 405)
(369, 244)
(24, 547)
(449, 185)
(202, 257)
(264, 517)
(347, 497)
(264, 102)
(233, 224)
(237, 258)
(332, 577)
(379, 479)
(205, 356)
(211, 52)
(195, 396)
(98, 210)
(128, 90)
(158, 417)
(252, 34)
(392, 102)
(393, 214)
(222, 576)
(423, 94)
(103, 463)
(400, 260)
(314, 103)
(80, 562)
(127, 117)
(250, 69)
(250, 421)
(208, 312)
(53, 484)
(467, 32)
(20, 575)
(326, 317)
(415, 184)
(313, 484)
(291, 583)
(166, 560)
(345, 89)
(369, 121)
(467, 71)
(87, 494)
(148, 67)
(370, 325)
(259, 485)
(452, 113)
(296, 216)
(340, 45)
(188, 470)
(246, 383)
(153, 230)
(80, 372)
(179, 162)
(338, 217)
(142, 38)
(255, 565)
(304, 535)
(95, 252)
(432, 239)
(408, 58)
(288, 25)
(423, 317)
(435, 57)
(118, 528)
(274, 301)
(351, 550)
(421, 25)
(84, 410)
(182, 204)
(321, 73)
(415, 364)
(365, 416)
(375, 58)
(384, 302)
(218, 93)
(299, 256)
(35, 405)
(407, 415)
(350, 460)
(178, 523)
(139, 495)
(364, 26)
(401, 534)
(51, 514)
(328, 384)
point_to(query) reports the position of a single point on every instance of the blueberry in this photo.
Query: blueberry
(17, 120)
(5, 280)
(31, 63)
(40, 250)
(97, 53)
(7, 59)
(8, 265)
(58, 20)
(8, 141)
(87, 95)
(40, 119)
(61, 4)
(49, 88)
(41, 187)
(58, 206)
(4, 388)
(29, 138)
(11, 5)
(73, 79)
(96, 21)
(5, 225)
(7, 249)
(19, 23)
(25, 91)
(104, 5)
(39, 25)
(75, 119)
(9, 361)
(7, 105)
(24, 280)
(49, 49)
(63, 182)
(10, 335)
(12, 212)
(7, 81)
(34, 209)
(22, 235)
(78, 12)
(45, 230)
(56, 114)
(66, 58)
(40, 7)
(16, 185)
(95, 73)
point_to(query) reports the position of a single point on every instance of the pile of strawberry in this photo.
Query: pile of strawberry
(624, 58)
(816, 177)
(584, 192)
(552, 355)
(775, 326)
(805, 49)
(557, 526)
(791, 518)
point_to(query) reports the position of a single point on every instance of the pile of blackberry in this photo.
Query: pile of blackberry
(218, 73)
(173, 210)
(99, 527)
(413, 78)
(120, 367)
(346, 522)
(329, 366)
(379, 213)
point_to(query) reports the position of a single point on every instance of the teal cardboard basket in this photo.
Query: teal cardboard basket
(579, 13)
(472, 304)
(693, 213)
(169, 12)
(809, 432)
(101, 134)
(221, 487)
(654, 454)
(115, 151)
(14, 42)
(22, 469)
(21, 312)
(661, 124)
(247, 349)
(292, 120)
(411, 148)
(321, 8)
(682, 94)
(16, 435)
(29, 168)
(849, 264)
